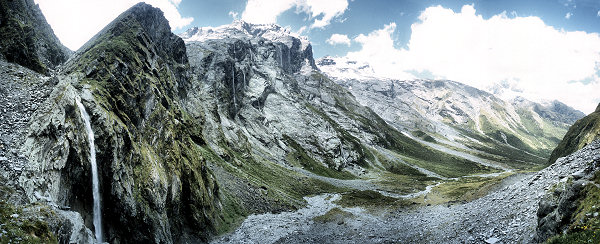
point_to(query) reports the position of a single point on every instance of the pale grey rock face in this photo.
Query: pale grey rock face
(50, 160)
(257, 89)
(23, 93)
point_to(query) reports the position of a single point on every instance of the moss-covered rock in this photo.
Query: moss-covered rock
(27, 39)
(155, 186)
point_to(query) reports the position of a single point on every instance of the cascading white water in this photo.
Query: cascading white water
(280, 56)
(289, 57)
(95, 185)
(233, 79)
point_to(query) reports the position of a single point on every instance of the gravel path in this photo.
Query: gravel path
(506, 215)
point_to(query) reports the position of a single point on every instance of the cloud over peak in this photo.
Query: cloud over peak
(536, 60)
(336, 39)
(98, 14)
(320, 12)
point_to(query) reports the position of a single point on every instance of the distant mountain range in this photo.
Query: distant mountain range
(193, 133)
(451, 112)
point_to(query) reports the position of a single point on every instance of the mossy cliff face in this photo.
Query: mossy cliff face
(582, 133)
(27, 39)
(155, 186)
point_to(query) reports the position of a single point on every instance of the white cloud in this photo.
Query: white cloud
(301, 30)
(598, 14)
(233, 14)
(378, 50)
(267, 11)
(568, 15)
(541, 62)
(338, 39)
(328, 9)
(74, 28)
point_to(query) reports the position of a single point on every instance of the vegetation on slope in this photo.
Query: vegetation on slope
(390, 138)
(257, 185)
(585, 220)
(579, 135)
(27, 39)
(370, 200)
(19, 227)
(160, 187)
(501, 152)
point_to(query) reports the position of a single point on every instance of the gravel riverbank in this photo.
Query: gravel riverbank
(506, 215)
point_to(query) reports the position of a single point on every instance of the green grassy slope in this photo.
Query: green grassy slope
(580, 134)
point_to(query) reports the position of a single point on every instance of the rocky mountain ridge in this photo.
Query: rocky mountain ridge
(583, 132)
(163, 124)
(153, 181)
(27, 39)
(456, 113)
(194, 133)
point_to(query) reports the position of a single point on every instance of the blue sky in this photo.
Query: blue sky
(363, 16)
(539, 49)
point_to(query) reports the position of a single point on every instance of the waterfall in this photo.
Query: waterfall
(288, 57)
(280, 56)
(95, 186)
(233, 86)
(233, 79)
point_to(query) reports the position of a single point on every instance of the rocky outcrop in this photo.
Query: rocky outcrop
(154, 184)
(583, 132)
(569, 206)
(569, 209)
(27, 39)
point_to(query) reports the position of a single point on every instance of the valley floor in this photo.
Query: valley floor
(507, 214)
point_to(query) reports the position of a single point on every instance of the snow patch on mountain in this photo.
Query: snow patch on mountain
(343, 68)
(241, 29)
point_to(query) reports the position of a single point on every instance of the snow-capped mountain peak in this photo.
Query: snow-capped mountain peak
(344, 68)
(242, 29)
